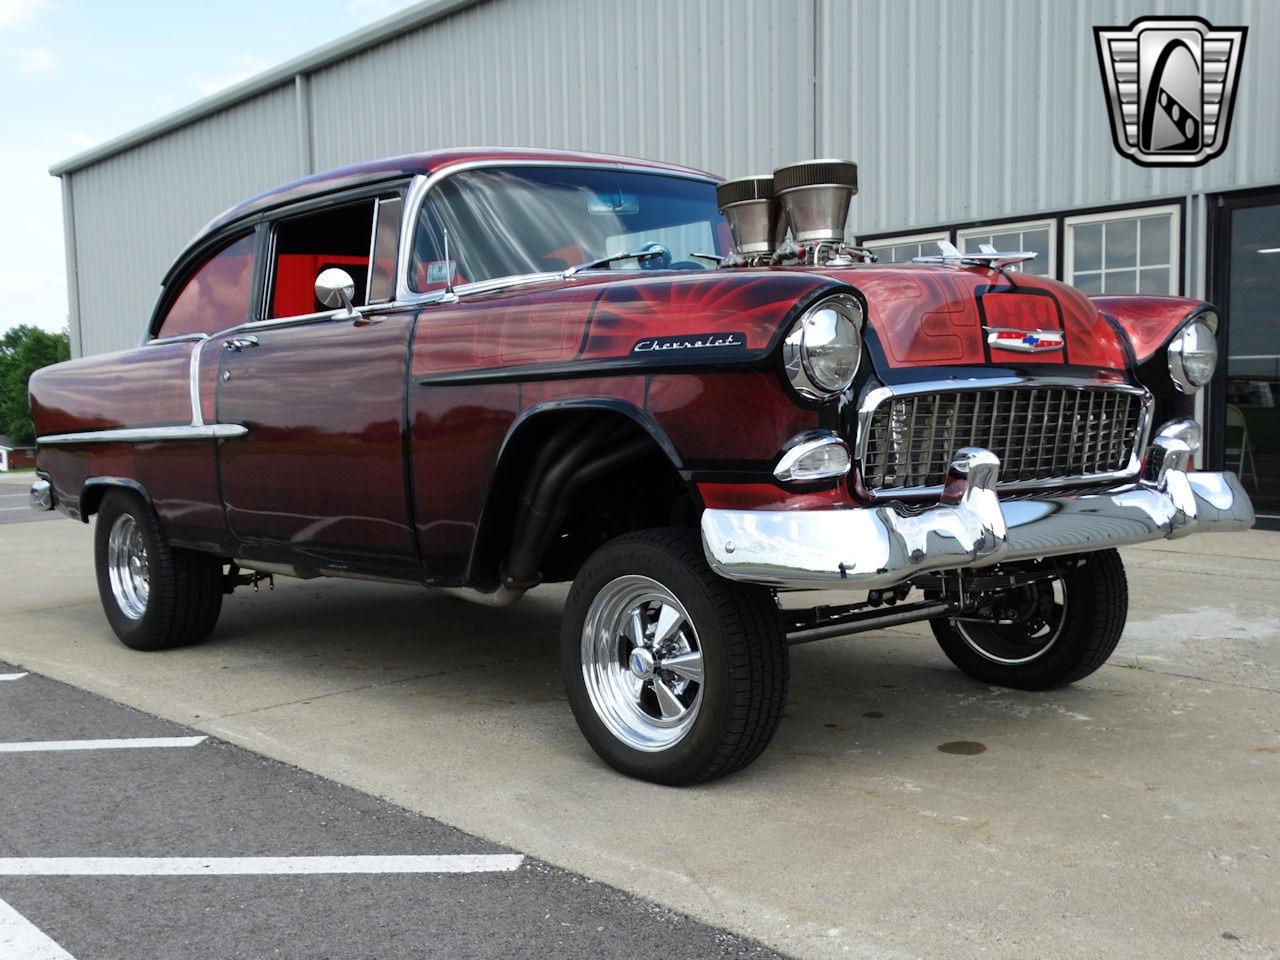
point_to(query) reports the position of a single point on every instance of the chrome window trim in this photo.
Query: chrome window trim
(373, 240)
(421, 185)
(207, 431)
(878, 396)
(176, 338)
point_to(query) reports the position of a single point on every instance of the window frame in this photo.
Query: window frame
(893, 240)
(1174, 210)
(420, 189)
(269, 219)
(1019, 226)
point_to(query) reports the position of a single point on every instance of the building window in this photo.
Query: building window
(905, 249)
(1130, 251)
(1039, 238)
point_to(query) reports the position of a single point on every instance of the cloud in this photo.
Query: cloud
(14, 12)
(242, 67)
(34, 61)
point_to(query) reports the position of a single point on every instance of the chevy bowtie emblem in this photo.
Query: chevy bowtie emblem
(1024, 341)
(1171, 86)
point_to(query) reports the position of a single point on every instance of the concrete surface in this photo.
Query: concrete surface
(216, 800)
(1130, 816)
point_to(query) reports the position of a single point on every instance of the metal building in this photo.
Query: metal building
(969, 122)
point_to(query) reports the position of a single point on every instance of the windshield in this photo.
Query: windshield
(508, 221)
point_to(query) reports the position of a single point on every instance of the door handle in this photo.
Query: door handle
(239, 344)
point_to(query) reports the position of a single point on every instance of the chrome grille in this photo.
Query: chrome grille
(1040, 434)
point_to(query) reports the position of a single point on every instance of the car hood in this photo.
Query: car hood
(917, 316)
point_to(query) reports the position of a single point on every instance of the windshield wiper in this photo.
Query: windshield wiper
(612, 258)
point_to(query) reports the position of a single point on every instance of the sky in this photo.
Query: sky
(76, 73)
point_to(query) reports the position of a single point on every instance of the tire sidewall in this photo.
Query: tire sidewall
(133, 633)
(678, 762)
(1085, 631)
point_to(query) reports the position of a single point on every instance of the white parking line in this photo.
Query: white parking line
(135, 743)
(20, 939)
(11, 676)
(15, 508)
(232, 866)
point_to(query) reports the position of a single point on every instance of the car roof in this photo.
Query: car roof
(413, 164)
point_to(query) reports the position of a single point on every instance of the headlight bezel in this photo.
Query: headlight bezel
(1208, 322)
(801, 357)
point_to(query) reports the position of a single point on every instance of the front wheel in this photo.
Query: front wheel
(674, 674)
(1057, 631)
(155, 596)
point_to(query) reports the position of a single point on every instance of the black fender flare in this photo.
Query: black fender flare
(585, 404)
(95, 488)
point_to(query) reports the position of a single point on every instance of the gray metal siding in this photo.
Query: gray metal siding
(134, 212)
(661, 80)
(959, 112)
(954, 111)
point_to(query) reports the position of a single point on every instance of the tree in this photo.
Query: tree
(24, 350)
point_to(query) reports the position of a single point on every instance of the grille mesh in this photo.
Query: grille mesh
(1039, 434)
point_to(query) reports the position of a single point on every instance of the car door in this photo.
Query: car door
(320, 474)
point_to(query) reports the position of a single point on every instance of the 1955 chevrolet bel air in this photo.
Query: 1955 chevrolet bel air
(484, 370)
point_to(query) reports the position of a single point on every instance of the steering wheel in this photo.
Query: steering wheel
(661, 261)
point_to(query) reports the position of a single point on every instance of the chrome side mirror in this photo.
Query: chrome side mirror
(335, 288)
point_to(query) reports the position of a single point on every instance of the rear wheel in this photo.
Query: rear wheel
(155, 596)
(674, 674)
(1053, 632)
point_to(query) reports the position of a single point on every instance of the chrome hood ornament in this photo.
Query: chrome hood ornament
(987, 256)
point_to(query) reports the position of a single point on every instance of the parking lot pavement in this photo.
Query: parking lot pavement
(1129, 816)
(164, 844)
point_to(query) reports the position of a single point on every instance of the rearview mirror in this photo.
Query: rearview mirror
(335, 288)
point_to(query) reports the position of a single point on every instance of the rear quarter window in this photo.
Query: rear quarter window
(216, 295)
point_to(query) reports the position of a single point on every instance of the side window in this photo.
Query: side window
(216, 295)
(386, 247)
(307, 245)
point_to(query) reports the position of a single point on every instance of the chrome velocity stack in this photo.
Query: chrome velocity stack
(815, 197)
(749, 205)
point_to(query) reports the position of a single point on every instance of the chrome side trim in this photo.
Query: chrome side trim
(876, 547)
(203, 431)
(880, 395)
(197, 411)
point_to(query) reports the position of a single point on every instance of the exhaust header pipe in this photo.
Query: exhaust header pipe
(815, 197)
(749, 206)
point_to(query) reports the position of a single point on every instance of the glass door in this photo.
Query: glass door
(1247, 400)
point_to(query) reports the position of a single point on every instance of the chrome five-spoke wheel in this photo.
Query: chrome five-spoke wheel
(129, 567)
(642, 663)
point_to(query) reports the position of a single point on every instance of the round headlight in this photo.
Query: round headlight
(1193, 353)
(823, 348)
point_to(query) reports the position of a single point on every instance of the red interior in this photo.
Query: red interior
(295, 287)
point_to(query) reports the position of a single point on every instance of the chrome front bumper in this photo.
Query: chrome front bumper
(875, 547)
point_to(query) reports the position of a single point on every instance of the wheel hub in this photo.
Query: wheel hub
(641, 663)
(128, 567)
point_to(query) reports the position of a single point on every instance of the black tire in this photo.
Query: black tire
(184, 589)
(1096, 605)
(744, 659)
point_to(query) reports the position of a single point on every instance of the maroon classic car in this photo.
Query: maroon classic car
(483, 371)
